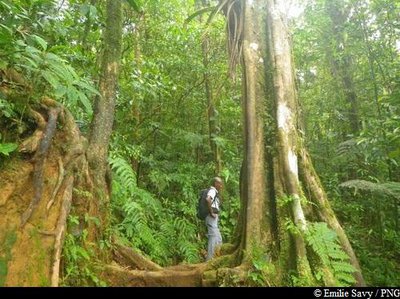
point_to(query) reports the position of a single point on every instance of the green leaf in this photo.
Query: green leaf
(31, 62)
(8, 7)
(6, 148)
(3, 64)
(20, 43)
(87, 86)
(83, 253)
(85, 101)
(6, 28)
(52, 56)
(84, 9)
(394, 154)
(71, 71)
(60, 91)
(40, 41)
(32, 50)
(49, 77)
(61, 71)
(92, 11)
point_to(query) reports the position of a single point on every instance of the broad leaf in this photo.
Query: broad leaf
(6, 148)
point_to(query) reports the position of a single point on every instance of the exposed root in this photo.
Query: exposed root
(31, 144)
(39, 158)
(36, 238)
(60, 230)
(47, 233)
(133, 269)
(59, 182)
(118, 276)
(232, 276)
(11, 80)
(223, 261)
(127, 256)
(6, 193)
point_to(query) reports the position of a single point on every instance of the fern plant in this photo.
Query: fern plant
(390, 189)
(162, 228)
(324, 243)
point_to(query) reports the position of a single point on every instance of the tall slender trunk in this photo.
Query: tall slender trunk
(88, 25)
(212, 112)
(104, 114)
(341, 62)
(371, 61)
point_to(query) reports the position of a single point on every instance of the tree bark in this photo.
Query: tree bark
(272, 198)
(104, 116)
(256, 227)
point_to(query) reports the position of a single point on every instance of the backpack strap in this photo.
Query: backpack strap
(215, 197)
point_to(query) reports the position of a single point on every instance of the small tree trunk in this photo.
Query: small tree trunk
(88, 25)
(104, 116)
(342, 66)
(211, 104)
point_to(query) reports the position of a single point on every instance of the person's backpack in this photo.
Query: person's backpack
(202, 206)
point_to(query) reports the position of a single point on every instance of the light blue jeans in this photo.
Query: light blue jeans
(214, 236)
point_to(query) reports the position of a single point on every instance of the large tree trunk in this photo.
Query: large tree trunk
(323, 209)
(284, 101)
(256, 226)
(274, 213)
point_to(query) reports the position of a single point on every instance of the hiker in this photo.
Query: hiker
(213, 233)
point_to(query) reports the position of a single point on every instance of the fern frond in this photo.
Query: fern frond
(390, 189)
(124, 172)
(325, 244)
(340, 267)
(336, 253)
(345, 279)
(347, 147)
(188, 250)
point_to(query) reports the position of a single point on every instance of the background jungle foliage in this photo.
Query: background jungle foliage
(347, 68)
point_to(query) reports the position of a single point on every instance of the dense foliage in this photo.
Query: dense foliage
(357, 45)
(161, 154)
